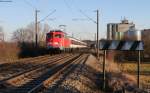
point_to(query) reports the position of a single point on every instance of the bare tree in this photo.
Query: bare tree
(42, 36)
(30, 29)
(28, 34)
(19, 35)
(1, 35)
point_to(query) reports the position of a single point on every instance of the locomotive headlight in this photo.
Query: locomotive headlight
(49, 43)
(56, 43)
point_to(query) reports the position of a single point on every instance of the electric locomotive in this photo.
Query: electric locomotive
(58, 40)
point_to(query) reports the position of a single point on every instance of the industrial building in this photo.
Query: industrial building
(115, 31)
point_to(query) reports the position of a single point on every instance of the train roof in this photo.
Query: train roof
(57, 31)
(72, 38)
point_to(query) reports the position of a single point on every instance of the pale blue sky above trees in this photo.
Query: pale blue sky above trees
(20, 13)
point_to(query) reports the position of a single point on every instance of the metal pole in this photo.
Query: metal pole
(104, 62)
(98, 34)
(3, 37)
(95, 48)
(138, 68)
(64, 30)
(36, 25)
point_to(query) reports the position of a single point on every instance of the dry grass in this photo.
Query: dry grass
(120, 74)
(129, 78)
(145, 80)
(12, 51)
(131, 68)
(8, 51)
(112, 67)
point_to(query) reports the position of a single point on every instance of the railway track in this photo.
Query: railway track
(21, 60)
(44, 63)
(25, 61)
(19, 67)
(30, 81)
(53, 82)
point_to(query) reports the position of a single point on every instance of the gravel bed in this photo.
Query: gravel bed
(83, 79)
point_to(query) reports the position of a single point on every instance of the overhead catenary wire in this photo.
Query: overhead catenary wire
(31, 5)
(87, 16)
(47, 15)
(68, 6)
(94, 21)
(80, 11)
(71, 10)
(5, 1)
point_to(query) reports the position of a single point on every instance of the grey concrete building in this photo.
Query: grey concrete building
(115, 31)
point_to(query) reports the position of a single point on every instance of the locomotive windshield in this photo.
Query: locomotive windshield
(58, 36)
(49, 35)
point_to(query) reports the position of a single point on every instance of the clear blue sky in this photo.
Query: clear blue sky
(19, 14)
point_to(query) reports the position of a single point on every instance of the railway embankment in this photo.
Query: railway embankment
(65, 73)
(118, 81)
(83, 79)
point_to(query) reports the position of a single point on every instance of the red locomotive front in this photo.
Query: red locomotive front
(57, 40)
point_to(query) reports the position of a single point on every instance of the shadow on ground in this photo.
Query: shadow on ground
(29, 50)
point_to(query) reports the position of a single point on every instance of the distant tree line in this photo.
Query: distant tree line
(25, 38)
(27, 34)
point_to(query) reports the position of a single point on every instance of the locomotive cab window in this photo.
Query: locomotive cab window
(58, 36)
(62, 36)
(49, 35)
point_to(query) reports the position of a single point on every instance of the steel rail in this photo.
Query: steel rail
(31, 69)
(62, 72)
(52, 70)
